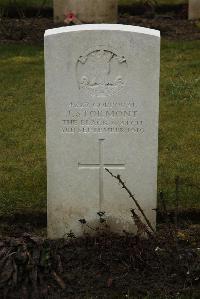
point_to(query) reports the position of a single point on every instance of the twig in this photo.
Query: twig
(84, 222)
(59, 280)
(191, 185)
(177, 182)
(164, 207)
(3, 26)
(38, 13)
(142, 228)
(131, 196)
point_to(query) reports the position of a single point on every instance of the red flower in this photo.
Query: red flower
(70, 16)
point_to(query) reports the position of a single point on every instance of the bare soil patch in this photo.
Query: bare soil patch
(31, 30)
(170, 27)
(101, 266)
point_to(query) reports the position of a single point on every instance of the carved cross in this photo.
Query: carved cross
(100, 165)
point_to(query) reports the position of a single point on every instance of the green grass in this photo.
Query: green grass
(179, 138)
(31, 3)
(22, 133)
(22, 130)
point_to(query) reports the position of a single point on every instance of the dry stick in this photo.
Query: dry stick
(59, 280)
(140, 225)
(191, 185)
(164, 207)
(177, 183)
(151, 2)
(3, 26)
(131, 196)
(38, 13)
(21, 17)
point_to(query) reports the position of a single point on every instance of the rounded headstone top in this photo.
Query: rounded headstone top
(103, 27)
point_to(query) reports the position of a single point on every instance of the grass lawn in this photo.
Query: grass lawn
(22, 145)
(26, 3)
(179, 135)
(22, 130)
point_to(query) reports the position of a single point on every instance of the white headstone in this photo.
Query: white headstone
(102, 107)
(87, 11)
(194, 9)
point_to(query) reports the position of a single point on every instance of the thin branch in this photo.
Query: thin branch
(190, 185)
(177, 183)
(59, 280)
(38, 12)
(132, 196)
(142, 228)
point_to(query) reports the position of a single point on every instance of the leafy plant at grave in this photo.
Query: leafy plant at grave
(101, 216)
(101, 221)
(27, 260)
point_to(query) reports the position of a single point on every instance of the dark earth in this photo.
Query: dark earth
(28, 25)
(31, 30)
(101, 266)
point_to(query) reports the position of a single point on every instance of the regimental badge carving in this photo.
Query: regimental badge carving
(101, 72)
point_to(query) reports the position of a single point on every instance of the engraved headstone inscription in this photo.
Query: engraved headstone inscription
(102, 107)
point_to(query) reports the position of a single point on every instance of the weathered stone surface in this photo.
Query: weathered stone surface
(102, 106)
(87, 11)
(194, 9)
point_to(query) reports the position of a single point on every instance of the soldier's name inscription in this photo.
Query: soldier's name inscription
(106, 117)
